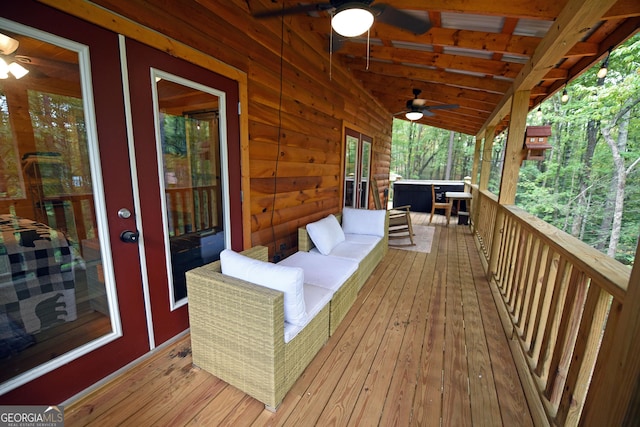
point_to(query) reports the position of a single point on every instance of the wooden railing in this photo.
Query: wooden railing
(486, 203)
(193, 209)
(558, 298)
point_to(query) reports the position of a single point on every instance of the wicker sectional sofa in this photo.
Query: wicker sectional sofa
(241, 331)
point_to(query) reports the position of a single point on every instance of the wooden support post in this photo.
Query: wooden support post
(614, 395)
(510, 168)
(513, 150)
(476, 158)
(485, 168)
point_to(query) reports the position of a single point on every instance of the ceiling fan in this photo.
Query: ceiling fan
(352, 18)
(416, 107)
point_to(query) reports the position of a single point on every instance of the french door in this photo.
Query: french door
(119, 171)
(357, 169)
(186, 131)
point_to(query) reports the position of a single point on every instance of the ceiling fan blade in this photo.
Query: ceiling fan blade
(336, 42)
(406, 21)
(315, 7)
(442, 107)
(427, 113)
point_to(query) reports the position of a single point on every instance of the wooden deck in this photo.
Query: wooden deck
(422, 345)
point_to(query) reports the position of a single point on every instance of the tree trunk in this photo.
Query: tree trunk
(617, 147)
(580, 211)
(447, 174)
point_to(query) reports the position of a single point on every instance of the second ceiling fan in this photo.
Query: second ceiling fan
(416, 107)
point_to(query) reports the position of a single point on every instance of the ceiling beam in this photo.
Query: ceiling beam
(575, 20)
(530, 9)
(456, 62)
(486, 84)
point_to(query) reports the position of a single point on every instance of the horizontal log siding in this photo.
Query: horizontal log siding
(299, 130)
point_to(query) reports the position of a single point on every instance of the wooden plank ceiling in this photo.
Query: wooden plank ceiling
(471, 56)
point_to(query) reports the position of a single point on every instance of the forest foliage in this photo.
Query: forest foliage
(589, 183)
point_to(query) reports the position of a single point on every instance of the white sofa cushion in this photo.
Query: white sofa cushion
(320, 270)
(315, 299)
(363, 221)
(325, 234)
(349, 250)
(288, 280)
(363, 239)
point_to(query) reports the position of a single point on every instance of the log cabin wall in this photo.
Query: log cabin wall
(299, 101)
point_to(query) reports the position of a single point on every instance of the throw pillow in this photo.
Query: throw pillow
(288, 280)
(326, 234)
(363, 221)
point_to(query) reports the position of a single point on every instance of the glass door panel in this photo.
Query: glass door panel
(189, 140)
(365, 166)
(56, 296)
(357, 169)
(350, 175)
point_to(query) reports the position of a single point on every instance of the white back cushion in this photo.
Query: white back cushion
(363, 221)
(325, 234)
(288, 280)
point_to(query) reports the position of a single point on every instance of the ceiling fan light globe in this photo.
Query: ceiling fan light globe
(352, 20)
(4, 68)
(414, 115)
(8, 45)
(17, 70)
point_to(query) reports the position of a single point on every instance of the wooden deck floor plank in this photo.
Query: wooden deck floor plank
(196, 398)
(427, 407)
(456, 405)
(485, 409)
(244, 414)
(344, 397)
(377, 386)
(513, 404)
(219, 408)
(178, 372)
(108, 397)
(167, 400)
(398, 405)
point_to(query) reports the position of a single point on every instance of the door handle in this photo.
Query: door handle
(129, 236)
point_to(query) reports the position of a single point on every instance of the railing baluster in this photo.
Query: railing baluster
(552, 321)
(593, 323)
(527, 283)
(546, 293)
(567, 334)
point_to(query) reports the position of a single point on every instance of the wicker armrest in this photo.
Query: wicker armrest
(237, 330)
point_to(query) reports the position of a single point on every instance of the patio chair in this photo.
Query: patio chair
(435, 204)
(399, 217)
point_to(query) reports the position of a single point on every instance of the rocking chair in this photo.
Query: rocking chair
(399, 218)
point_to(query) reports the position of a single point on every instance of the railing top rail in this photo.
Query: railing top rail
(488, 194)
(606, 272)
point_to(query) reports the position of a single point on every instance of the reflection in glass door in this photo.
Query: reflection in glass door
(350, 175)
(365, 164)
(56, 295)
(357, 169)
(188, 129)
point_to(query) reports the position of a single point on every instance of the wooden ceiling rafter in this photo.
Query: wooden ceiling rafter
(478, 66)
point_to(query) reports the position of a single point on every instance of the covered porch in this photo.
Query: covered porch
(506, 322)
(422, 345)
